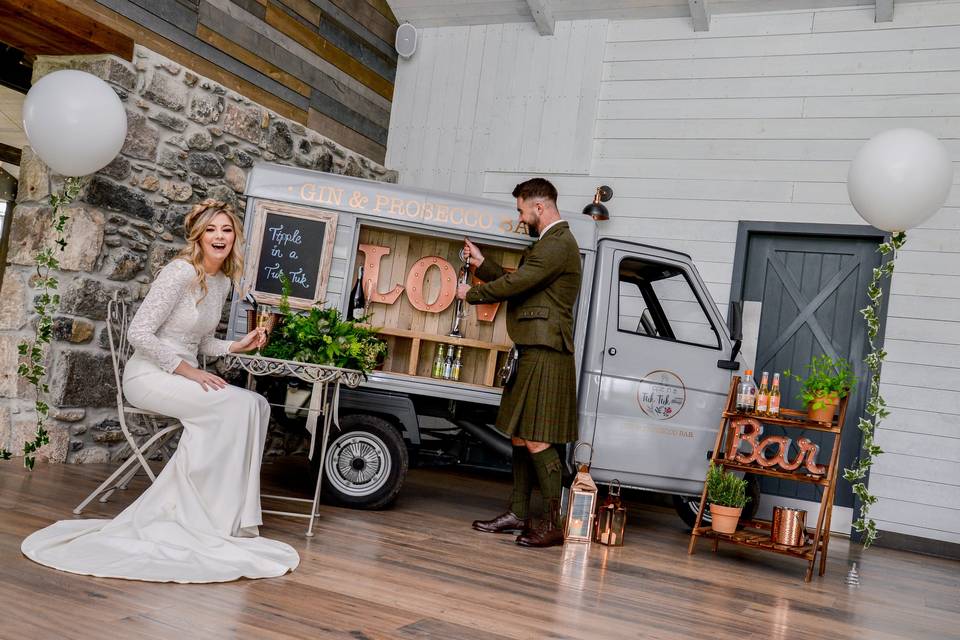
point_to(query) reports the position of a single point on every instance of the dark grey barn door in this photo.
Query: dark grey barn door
(812, 288)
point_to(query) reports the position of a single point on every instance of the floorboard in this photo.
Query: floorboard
(417, 571)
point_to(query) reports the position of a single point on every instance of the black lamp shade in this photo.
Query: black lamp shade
(596, 211)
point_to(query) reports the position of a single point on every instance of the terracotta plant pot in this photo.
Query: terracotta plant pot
(724, 519)
(824, 413)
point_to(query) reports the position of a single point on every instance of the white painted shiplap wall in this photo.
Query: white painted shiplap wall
(755, 119)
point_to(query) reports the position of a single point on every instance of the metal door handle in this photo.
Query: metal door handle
(612, 351)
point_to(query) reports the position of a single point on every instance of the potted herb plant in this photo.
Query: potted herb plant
(322, 336)
(827, 381)
(727, 495)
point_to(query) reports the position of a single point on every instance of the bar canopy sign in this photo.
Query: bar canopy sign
(294, 240)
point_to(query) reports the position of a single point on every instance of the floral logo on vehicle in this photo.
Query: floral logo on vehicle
(661, 394)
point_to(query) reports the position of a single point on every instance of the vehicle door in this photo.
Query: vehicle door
(661, 391)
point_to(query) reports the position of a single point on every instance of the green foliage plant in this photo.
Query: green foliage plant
(46, 302)
(725, 489)
(826, 379)
(323, 336)
(876, 407)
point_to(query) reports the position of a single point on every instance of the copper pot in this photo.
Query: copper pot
(788, 527)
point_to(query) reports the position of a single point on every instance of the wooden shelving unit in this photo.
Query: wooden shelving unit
(413, 334)
(756, 533)
(418, 339)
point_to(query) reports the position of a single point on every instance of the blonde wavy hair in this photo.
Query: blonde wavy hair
(195, 224)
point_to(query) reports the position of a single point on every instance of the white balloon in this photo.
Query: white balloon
(74, 121)
(900, 178)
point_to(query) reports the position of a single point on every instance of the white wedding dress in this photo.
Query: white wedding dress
(198, 521)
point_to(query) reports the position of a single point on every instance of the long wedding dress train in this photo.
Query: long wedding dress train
(198, 521)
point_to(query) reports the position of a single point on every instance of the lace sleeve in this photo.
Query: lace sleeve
(170, 285)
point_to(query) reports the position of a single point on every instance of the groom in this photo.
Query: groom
(539, 408)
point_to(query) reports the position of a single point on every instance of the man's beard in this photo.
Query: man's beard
(532, 230)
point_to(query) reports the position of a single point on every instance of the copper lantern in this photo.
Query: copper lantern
(582, 502)
(611, 518)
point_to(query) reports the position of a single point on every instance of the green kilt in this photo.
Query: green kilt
(541, 404)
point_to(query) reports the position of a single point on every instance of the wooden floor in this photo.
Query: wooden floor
(419, 571)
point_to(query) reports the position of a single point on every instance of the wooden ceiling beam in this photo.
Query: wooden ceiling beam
(49, 27)
(700, 13)
(884, 11)
(542, 15)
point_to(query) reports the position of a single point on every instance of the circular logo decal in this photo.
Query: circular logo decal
(661, 394)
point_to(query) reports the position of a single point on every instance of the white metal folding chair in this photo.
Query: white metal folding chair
(120, 351)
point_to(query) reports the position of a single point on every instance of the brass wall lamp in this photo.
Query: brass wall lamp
(596, 210)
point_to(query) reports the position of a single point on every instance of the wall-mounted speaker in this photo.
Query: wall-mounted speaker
(406, 42)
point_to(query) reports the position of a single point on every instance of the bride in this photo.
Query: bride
(198, 521)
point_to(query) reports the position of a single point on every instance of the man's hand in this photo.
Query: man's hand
(472, 251)
(462, 290)
(253, 340)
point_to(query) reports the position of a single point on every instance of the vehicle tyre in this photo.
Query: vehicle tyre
(366, 463)
(688, 506)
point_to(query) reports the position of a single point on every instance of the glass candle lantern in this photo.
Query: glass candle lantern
(583, 501)
(611, 518)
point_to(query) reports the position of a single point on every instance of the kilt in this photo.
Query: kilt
(541, 404)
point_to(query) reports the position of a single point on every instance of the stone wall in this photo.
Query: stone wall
(188, 138)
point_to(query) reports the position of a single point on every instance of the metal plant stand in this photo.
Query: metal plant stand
(325, 401)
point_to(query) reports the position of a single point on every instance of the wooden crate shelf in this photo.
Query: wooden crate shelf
(756, 533)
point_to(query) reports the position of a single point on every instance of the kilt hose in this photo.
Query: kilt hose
(541, 404)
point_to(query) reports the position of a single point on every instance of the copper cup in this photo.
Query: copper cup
(788, 526)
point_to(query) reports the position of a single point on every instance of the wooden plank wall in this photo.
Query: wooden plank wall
(328, 64)
(756, 119)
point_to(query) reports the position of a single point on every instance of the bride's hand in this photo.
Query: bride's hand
(204, 378)
(253, 340)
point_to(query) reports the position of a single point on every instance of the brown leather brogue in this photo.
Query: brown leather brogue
(508, 522)
(546, 534)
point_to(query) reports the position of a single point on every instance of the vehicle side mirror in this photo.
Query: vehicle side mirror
(735, 325)
(735, 320)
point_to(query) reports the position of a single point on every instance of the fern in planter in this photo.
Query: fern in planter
(323, 336)
(826, 378)
(725, 489)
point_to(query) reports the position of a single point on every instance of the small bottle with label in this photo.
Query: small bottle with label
(448, 363)
(763, 396)
(773, 410)
(437, 370)
(748, 391)
(457, 364)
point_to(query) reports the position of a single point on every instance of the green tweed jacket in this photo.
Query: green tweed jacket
(540, 294)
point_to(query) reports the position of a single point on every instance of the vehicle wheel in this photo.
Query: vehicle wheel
(366, 463)
(688, 506)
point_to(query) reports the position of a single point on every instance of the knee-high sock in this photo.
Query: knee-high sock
(548, 466)
(522, 482)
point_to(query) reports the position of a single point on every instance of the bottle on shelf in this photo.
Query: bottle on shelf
(358, 300)
(763, 396)
(773, 410)
(457, 367)
(448, 363)
(437, 369)
(747, 394)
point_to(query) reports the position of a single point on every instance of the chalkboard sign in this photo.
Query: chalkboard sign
(297, 241)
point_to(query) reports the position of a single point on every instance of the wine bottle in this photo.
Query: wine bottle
(773, 410)
(457, 367)
(763, 396)
(358, 301)
(437, 369)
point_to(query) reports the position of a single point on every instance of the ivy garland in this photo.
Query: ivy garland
(45, 304)
(876, 407)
